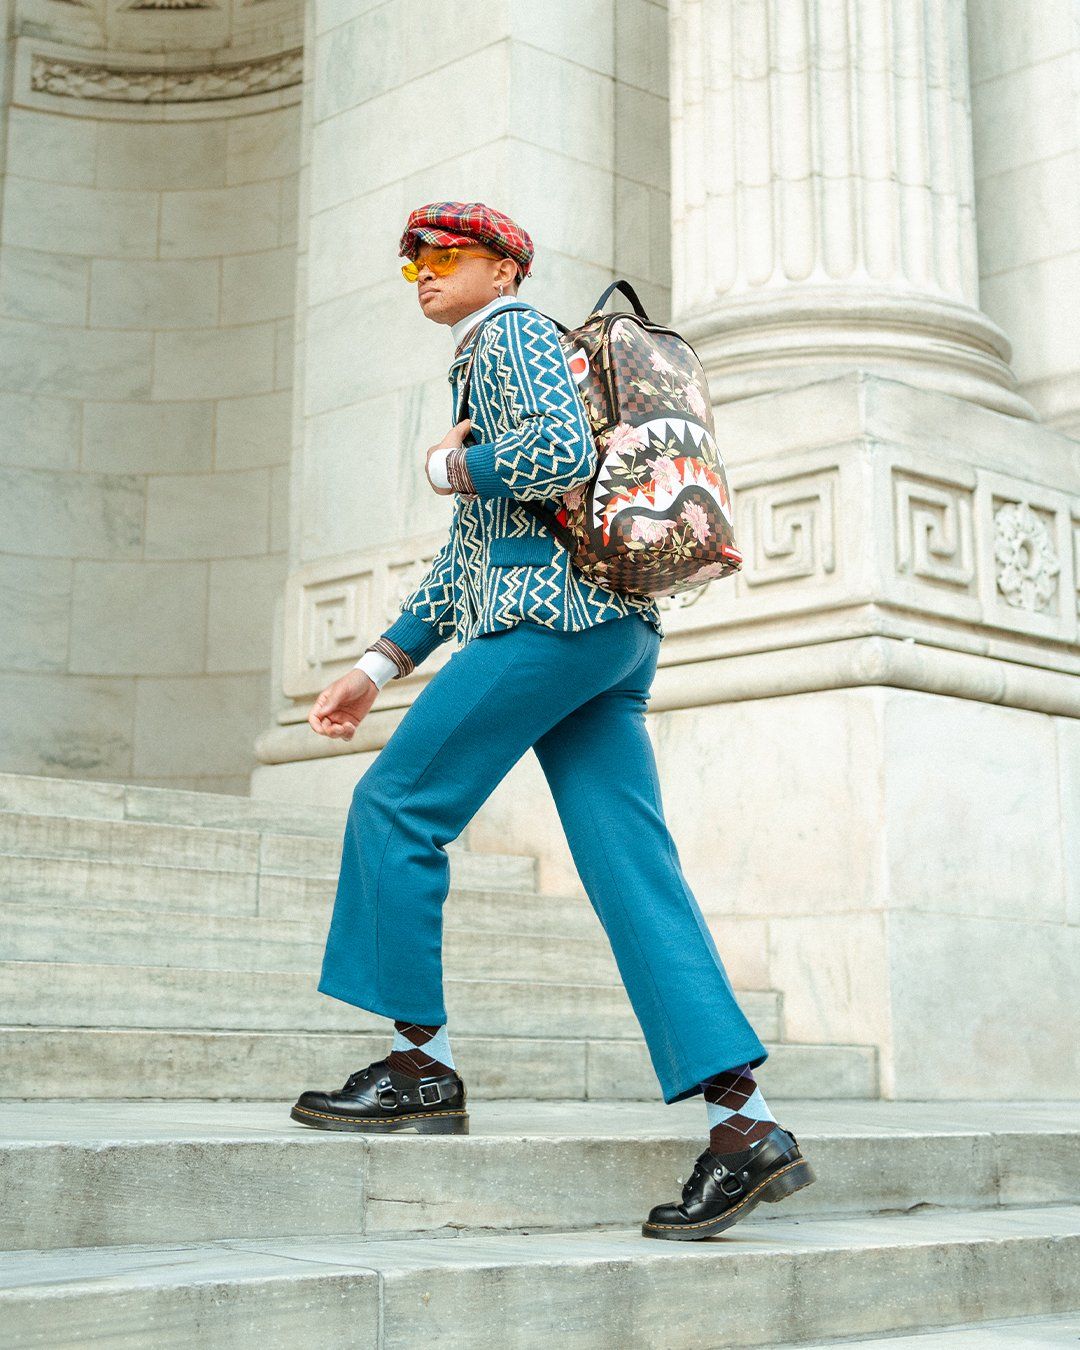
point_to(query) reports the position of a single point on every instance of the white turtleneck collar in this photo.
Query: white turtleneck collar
(462, 326)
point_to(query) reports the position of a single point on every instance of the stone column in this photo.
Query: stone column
(822, 197)
(1025, 72)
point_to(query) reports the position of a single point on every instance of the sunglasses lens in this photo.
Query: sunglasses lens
(440, 263)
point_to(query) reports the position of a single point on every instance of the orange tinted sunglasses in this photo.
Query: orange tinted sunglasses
(443, 262)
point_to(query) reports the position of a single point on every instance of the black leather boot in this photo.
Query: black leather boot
(379, 1099)
(715, 1195)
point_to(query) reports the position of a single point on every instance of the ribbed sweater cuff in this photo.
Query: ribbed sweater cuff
(414, 635)
(480, 464)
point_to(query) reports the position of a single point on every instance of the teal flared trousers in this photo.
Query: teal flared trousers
(578, 700)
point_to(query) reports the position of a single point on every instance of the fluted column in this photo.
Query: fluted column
(822, 196)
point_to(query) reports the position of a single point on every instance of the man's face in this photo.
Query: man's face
(473, 282)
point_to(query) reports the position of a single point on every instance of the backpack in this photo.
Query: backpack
(656, 516)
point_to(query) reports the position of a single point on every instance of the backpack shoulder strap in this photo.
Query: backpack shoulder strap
(540, 510)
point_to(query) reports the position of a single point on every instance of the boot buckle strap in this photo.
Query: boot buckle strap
(432, 1088)
(721, 1174)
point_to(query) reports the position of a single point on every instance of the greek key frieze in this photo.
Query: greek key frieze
(935, 536)
(787, 528)
(334, 620)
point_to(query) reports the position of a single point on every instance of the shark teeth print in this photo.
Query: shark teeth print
(655, 497)
(680, 427)
(654, 435)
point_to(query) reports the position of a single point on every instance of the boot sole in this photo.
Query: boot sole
(793, 1177)
(423, 1122)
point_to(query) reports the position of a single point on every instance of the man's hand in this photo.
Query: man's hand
(451, 440)
(343, 705)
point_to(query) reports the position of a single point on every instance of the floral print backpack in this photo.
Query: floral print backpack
(656, 517)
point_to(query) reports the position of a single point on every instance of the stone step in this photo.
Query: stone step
(244, 1169)
(162, 891)
(42, 993)
(245, 942)
(32, 794)
(761, 1283)
(41, 1063)
(1007, 1334)
(159, 866)
(510, 908)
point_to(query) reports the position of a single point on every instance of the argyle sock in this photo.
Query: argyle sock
(738, 1115)
(423, 1052)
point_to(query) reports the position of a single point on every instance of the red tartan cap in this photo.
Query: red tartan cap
(455, 224)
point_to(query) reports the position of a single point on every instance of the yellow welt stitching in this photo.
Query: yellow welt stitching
(368, 1120)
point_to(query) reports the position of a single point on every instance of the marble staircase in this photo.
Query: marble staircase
(161, 943)
(159, 953)
(179, 1224)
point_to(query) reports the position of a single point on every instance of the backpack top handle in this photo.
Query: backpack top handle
(628, 291)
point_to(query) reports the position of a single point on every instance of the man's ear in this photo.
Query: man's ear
(508, 278)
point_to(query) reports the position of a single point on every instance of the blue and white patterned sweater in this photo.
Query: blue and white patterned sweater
(501, 566)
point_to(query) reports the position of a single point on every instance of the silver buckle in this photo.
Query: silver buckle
(430, 1087)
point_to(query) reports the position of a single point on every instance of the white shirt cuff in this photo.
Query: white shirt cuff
(378, 666)
(437, 468)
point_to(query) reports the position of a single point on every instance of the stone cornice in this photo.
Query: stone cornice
(858, 662)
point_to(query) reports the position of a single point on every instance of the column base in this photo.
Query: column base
(773, 341)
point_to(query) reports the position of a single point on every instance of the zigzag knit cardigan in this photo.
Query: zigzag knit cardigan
(534, 443)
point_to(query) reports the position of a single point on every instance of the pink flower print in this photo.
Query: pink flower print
(651, 531)
(694, 401)
(624, 437)
(713, 569)
(694, 515)
(665, 472)
(572, 499)
(660, 363)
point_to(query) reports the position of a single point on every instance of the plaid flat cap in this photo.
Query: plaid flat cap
(450, 224)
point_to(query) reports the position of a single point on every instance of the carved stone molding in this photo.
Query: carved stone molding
(171, 5)
(683, 599)
(336, 607)
(402, 580)
(934, 531)
(335, 617)
(787, 528)
(137, 84)
(1076, 561)
(1027, 562)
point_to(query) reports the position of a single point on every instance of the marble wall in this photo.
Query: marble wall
(146, 297)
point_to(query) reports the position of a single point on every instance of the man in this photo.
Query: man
(549, 660)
